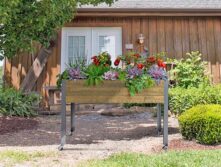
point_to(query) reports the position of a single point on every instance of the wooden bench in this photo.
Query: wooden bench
(111, 92)
(53, 95)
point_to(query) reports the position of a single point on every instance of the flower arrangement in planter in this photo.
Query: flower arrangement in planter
(138, 71)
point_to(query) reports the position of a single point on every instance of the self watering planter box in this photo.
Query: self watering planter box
(111, 92)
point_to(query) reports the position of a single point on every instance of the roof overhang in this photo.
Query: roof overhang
(142, 12)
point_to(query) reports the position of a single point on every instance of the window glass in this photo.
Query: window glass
(107, 44)
(76, 48)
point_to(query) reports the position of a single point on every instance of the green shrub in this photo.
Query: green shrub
(190, 72)
(15, 103)
(202, 122)
(181, 99)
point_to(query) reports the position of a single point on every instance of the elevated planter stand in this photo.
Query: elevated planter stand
(111, 92)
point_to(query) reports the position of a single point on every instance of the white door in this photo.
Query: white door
(87, 42)
(76, 44)
(107, 39)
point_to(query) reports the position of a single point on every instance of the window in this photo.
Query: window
(106, 43)
(76, 48)
(84, 42)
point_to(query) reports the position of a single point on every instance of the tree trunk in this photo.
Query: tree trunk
(36, 69)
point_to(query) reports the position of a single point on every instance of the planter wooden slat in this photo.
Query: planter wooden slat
(111, 92)
(114, 99)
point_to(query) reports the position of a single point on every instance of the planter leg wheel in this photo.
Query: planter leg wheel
(69, 134)
(165, 148)
(60, 148)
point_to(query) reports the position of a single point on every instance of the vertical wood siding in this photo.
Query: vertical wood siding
(174, 35)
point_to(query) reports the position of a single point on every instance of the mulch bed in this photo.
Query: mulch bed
(15, 124)
(182, 144)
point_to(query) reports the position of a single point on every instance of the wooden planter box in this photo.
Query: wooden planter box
(111, 92)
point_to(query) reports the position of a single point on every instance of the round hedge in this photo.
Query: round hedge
(203, 123)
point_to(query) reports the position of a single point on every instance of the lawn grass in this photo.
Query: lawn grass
(11, 157)
(170, 159)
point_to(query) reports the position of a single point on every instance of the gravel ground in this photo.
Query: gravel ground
(96, 136)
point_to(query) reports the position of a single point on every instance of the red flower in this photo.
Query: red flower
(160, 63)
(117, 61)
(94, 57)
(137, 55)
(151, 59)
(140, 66)
(95, 60)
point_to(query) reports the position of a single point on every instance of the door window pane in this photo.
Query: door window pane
(76, 48)
(107, 44)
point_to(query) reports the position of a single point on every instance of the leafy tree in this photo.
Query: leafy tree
(24, 22)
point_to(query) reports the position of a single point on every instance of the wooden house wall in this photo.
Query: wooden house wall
(174, 35)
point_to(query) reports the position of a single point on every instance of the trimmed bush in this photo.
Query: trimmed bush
(15, 103)
(203, 123)
(181, 99)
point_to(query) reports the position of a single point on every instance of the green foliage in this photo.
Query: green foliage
(61, 77)
(169, 159)
(136, 85)
(181, 99)
(78, 62)
(1, 76)
(202, 122)
(95, 74)
(15, 103)
(23, 22)
(190, 72)
(121, 74)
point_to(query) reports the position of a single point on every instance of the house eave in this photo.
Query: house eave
(139, 12)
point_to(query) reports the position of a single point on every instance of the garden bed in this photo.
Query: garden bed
(181, 144)
(15, 124)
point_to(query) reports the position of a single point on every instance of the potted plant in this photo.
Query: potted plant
(139, 81)
(137, 75)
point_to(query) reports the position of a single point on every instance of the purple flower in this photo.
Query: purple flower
(157, 73)
(134, 72)
(75, 73)
(110, 75)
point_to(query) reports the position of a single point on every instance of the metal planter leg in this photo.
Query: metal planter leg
(72, 119)
(63, 116)
(159, 128)
(165, 117)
